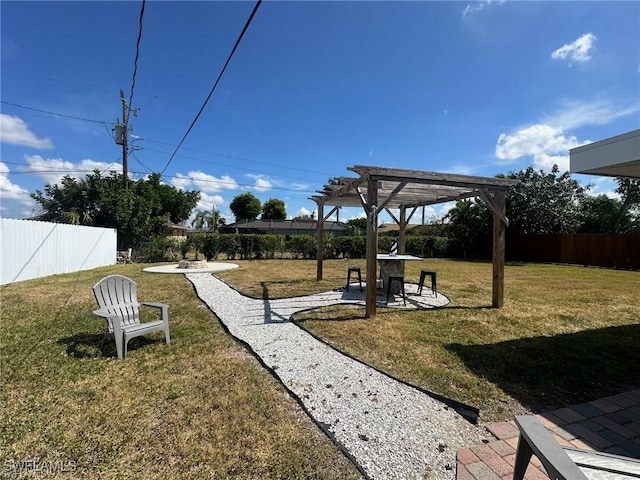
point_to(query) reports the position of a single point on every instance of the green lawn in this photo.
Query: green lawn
(566, 334)
(202, 407)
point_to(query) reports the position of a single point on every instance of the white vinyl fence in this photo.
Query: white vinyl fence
(30, 249)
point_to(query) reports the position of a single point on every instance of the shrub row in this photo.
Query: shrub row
(252, 246)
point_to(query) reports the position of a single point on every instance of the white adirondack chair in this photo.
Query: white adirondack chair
(118, 301)
(562, 463)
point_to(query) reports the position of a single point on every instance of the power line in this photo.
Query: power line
(50, 79)
(199, 180)
(57, 171)
(232, 166)
(232, 157)
(248, 185)
(135, 61)
(255, 9)
(55, 113)
(138, 160)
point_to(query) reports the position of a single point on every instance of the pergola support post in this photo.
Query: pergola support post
(499, 233)
(402, 230)
(320, 241)
(372, 247)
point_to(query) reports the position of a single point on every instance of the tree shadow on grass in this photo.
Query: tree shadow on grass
(95, 345)
(546, 373)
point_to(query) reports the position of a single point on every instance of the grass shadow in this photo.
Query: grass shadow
(88, 345)
(96, 345)
(546, 373)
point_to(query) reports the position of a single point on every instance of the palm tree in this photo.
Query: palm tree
(216, 220)
(75, 216)
(201, 220)
(208, 220)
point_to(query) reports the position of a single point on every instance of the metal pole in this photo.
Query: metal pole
(125, 133)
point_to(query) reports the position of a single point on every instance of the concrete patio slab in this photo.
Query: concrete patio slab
(212, 267)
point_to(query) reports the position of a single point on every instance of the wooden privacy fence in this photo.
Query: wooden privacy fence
(612, 250)
(30, 249)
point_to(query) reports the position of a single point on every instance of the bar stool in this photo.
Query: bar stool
(398, 278)
(423, 275)
(354, 270)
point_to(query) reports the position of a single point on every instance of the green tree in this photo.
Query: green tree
(139, 213)
(357, 226)
(602, 214)
(310, 216)
(246, 206)
(72, 201)
(274, 209)
(544, 202)
(629, 191)
(471, 224)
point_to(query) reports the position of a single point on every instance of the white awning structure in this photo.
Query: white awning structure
(617, 156)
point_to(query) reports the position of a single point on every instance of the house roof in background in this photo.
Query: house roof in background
(279, 225)
(617, 156)
(394, 227)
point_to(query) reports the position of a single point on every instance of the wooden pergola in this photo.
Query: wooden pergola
(376, 189)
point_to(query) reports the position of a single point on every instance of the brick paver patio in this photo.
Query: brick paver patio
(609, 424)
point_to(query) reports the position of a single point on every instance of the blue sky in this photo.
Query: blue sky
(479, 88)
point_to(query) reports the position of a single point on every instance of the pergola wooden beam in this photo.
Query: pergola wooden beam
(433, 178)
(372, 249)
(379, 188)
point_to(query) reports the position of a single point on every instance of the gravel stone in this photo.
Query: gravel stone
(392, 430)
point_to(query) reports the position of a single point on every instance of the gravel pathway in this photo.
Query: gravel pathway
(391, 430)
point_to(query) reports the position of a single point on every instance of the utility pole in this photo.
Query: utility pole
(125, 134)
(121, 136)
(121, 133)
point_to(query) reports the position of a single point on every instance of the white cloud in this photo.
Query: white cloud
(15, 201)
(546, 162)
(207, 202)
(443, 208)
(478, 6)
(574, 114)
(180, 181)
(546, 144)
(304, 211)
(548, 141)
(209, 183)
(53, 169)
(13, 130)
(261, 183)
(464, 169)
(577, 51)
(602, 186)
(9, 190)
(354, 214)
(204, 182)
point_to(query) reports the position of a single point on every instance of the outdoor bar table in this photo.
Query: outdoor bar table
(392, 265)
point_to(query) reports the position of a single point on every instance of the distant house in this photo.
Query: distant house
(284, 227)
(394, 227)
(178, 232)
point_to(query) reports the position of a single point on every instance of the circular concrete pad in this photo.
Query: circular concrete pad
(211, 267)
